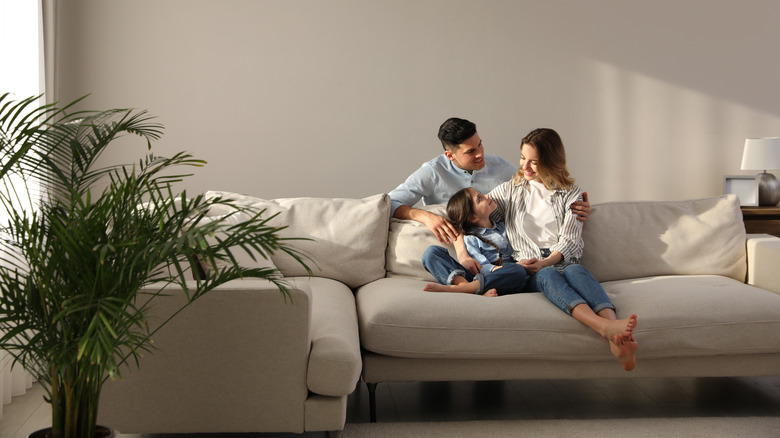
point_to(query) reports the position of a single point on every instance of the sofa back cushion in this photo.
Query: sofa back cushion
(643, 238)
(348, 236)
(407, 242)
(622, 240)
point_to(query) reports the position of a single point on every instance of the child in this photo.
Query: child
(547, 241)
(469, 211)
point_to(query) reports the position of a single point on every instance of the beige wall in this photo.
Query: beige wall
(343, 98)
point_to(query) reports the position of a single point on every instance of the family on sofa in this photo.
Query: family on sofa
(244, 359)
(525, 235)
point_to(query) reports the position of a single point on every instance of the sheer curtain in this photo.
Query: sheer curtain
(27, 68)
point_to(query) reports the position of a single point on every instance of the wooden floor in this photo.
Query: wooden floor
(505, 400)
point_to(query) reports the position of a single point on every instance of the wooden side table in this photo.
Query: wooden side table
(762, 220)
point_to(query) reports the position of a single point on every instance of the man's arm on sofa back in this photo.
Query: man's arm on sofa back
(763, 257)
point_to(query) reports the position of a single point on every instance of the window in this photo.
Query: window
(21, 57)
(20, 48)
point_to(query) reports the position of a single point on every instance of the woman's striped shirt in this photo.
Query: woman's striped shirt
(512, 199)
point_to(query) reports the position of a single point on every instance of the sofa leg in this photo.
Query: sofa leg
(372, 401)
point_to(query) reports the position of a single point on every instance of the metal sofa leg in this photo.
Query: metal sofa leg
(372, 401)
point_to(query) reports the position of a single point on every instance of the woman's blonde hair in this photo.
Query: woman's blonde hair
(551, 165)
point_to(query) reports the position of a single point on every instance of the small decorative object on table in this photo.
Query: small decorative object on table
(744, 186)
(762, 154)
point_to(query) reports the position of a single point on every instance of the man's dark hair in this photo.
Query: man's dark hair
(455, 131)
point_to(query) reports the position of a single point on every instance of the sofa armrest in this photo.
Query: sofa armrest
(763, 258)
(335, 362)
(233, 361)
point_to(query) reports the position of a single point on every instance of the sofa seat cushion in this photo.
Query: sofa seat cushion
(700, 315)
(678, 316)
(334, 362)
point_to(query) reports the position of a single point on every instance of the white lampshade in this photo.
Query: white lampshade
(761, 154)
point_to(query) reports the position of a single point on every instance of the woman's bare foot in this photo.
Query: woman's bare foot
(491, 293)
(612, 330)
(632, 321)
(624, 349)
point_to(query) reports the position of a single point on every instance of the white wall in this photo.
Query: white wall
(343, 98)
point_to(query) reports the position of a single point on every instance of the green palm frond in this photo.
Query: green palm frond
(79, 273)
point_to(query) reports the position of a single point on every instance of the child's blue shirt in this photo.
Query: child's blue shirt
(485, 253)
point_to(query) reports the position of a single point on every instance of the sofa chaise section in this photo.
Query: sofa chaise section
(244, 359)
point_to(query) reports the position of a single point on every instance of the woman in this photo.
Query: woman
(547, 241)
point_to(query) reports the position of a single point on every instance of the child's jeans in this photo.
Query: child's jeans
(508, 279)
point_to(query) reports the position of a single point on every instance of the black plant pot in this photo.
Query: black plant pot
(100, 432)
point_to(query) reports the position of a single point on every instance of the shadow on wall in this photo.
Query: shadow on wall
(712, 47)
(649, 139)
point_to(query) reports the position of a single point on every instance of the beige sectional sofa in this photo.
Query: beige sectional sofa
(244, 360)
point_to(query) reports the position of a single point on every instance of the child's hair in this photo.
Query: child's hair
(552, 159)
(459, 210)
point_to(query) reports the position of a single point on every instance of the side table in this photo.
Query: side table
(762, 220)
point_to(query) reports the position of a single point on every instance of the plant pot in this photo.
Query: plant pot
(100, 432)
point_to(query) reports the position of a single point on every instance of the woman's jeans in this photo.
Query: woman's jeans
(570, 287)
(509, 279)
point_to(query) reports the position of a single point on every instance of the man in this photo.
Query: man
(463, 164)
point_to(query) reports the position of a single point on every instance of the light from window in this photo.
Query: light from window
(19, 48)
(20, 56)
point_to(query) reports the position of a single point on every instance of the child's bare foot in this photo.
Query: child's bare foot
(624, 349)
(435, 287)
(491, 293)
(468, 288)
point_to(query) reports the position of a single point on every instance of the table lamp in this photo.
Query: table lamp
(762, 154)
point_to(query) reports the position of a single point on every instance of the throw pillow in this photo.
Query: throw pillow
(346, 237)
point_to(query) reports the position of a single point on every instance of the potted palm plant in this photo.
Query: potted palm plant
(80, 266)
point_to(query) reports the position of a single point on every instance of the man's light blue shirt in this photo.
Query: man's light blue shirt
(437, 180)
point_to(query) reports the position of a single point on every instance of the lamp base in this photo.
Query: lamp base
(768, 189)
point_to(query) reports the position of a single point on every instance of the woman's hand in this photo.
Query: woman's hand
(532, 266)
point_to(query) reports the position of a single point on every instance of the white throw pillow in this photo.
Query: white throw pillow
(406, 243)
(348, 237)
(636, 239)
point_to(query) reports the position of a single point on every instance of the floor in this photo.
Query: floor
(531, 399)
